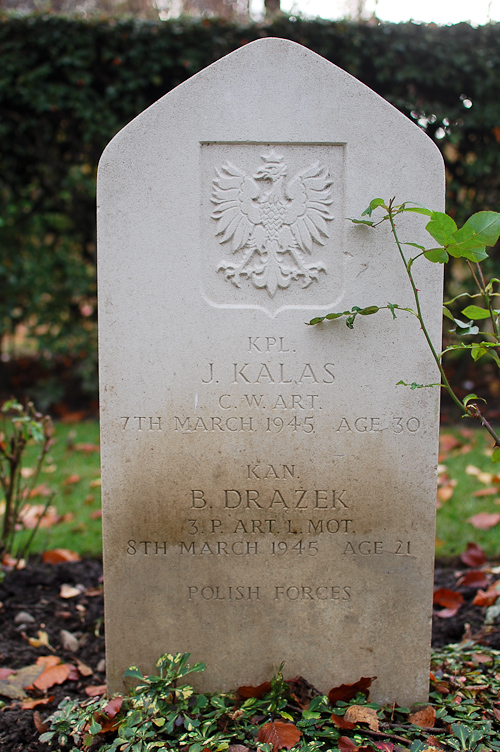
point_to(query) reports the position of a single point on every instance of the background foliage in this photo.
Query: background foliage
(68, 85)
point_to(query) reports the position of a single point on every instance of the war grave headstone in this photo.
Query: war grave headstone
(269, 492)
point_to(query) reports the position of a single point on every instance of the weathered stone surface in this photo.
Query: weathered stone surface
(268, 491)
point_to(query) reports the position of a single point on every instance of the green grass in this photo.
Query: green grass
(81, 499)
(453, 531)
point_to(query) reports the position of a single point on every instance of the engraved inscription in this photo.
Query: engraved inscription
(276, 592)
(375, 425)
(274, 548)
(251, 498)
(271, 222)
(219, 593)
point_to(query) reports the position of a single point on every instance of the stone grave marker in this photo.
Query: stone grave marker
(269, 492)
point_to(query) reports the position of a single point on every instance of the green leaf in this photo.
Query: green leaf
(414, 385)
(437, 255)
(95, 727)
(369, 310)
(477, 351)
(315, 320)
(475, 312)
(133, 673)
(363, 222)
(419, 210)
(46, 736)
(461, 732)
(495, 457)
(470, 397)
(373, 205)
(392, 307)
(474, 254)
(416, 245)
(481, 229)
(494, 355)
(489, 286)
(447, 313)
(467, 328)
(442, 228)
(332, 316)
(310, 714)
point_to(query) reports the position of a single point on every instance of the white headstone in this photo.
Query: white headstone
(269, 492)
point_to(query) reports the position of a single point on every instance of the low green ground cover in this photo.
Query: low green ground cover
(290, 714)
(469, 484)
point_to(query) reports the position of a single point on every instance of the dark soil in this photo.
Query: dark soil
(37, 591)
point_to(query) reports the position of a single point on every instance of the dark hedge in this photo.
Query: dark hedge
(67, 86)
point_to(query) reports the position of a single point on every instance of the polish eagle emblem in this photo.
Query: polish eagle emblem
(272, 223)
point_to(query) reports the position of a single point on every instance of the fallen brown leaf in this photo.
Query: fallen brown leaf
(9, 561)
(484, 520)
(301, 691)
(347, 745)
(482, 658)
(473, 556)
(40, 490)
(15, 684)
(48, 660)
(487, 597)
(69, 591)
(33, 702)
(341, 722)
(474, 578)
(279, 734)
(257, 692)
(447, 442)
(424, 718)
(451, 601)
(346, 692)
(73, 417)
(93, 592)
(40, 726)
(113, 707)
(71, 480)
(96, 690)
(485, 492)
(362, 714)
(86, 448)
(83, 669)
(42, 641)
(57, 555)
(33, 515)
(444, 493)
(52, 675)
(106, 719)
